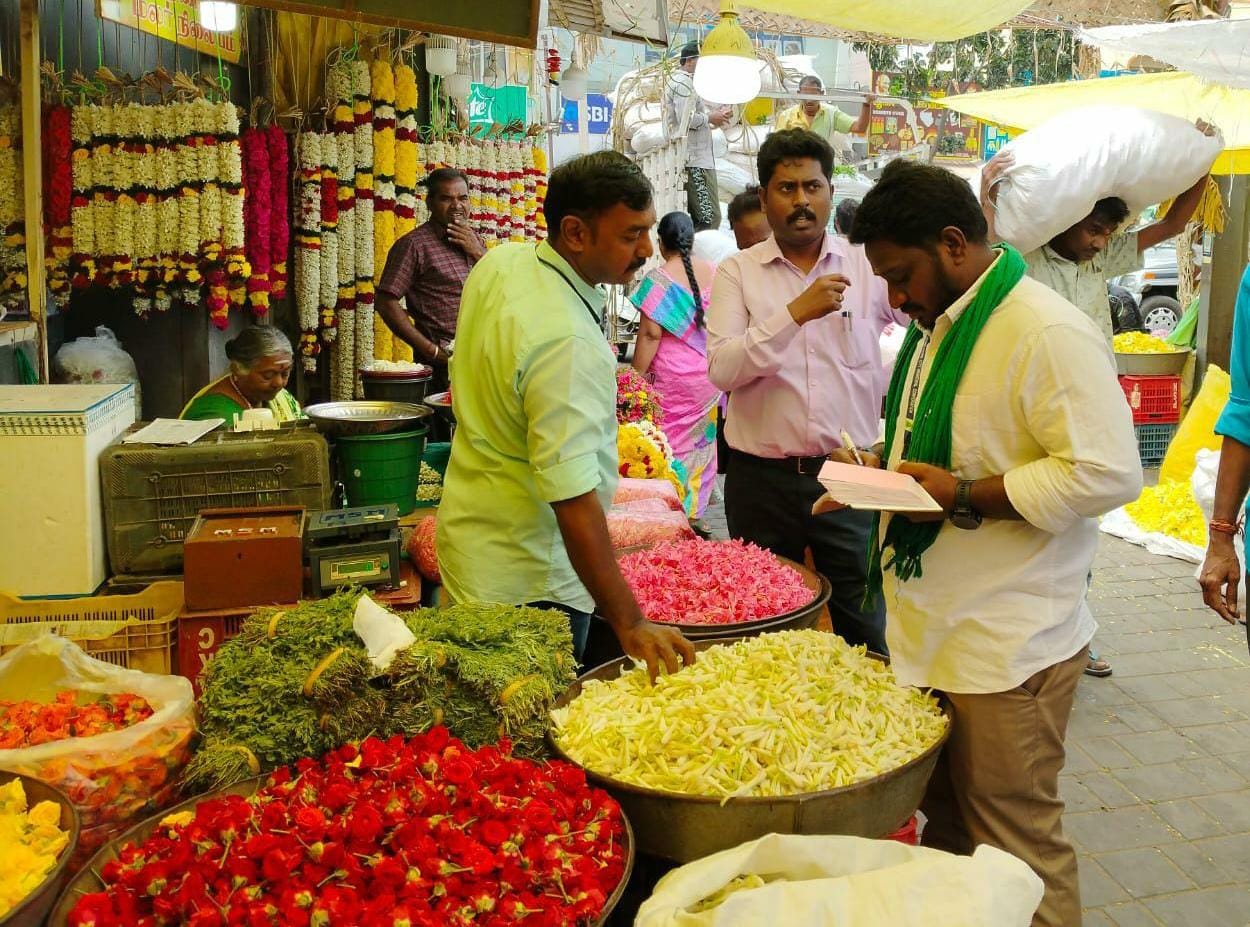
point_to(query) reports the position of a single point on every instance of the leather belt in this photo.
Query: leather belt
(807, 466)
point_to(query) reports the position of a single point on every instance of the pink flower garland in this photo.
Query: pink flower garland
(279, 213)
(700, 582)
(256, 211)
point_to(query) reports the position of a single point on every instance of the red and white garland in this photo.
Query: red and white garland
(329, 297)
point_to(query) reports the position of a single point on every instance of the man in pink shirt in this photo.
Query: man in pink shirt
(793, 335)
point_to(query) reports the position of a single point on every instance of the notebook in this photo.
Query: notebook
(870, 489)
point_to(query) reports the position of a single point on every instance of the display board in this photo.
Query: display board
(508, 22)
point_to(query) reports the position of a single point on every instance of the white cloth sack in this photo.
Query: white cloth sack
(648, 137)
(1070, 162)
(731, 179)
(827, 881)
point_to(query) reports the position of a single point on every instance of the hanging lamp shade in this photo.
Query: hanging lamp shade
(458, 85)
(728, 70)
(574, 82)
(440, 55)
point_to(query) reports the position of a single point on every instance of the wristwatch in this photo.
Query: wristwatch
(965, 516)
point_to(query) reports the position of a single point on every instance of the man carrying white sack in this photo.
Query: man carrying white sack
(985, 600)
(1078, 262)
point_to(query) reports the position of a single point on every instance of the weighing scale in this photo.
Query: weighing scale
(353, 547)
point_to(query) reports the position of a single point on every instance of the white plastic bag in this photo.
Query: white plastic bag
(115, 778)
(647, 138)
(1206, 470)
(1070, 162)
(714, 246)
(98, 359)
(731, 179)
(838, 881)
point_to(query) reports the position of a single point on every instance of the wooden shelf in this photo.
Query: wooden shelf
(17, 332)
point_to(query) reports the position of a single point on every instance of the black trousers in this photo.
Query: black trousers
(772, 507)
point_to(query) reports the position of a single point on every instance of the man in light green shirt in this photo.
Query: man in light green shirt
(534, 462)
(822, 118)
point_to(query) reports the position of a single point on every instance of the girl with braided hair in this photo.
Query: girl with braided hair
(672, 351)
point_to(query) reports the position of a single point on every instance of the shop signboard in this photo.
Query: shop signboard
(489, 106)
(175, 20)
(995, 138)
(897, 127)
(598, 115)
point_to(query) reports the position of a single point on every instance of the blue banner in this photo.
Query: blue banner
(598, 114)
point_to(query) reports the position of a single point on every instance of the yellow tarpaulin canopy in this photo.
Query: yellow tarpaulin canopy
(929, 21)
(1177, 93)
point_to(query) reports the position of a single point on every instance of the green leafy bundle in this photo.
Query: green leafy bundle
(297, 682)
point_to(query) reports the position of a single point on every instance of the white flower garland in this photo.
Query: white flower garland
(362, 113)
(308, 248)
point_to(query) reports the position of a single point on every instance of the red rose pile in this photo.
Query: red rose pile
(423, 833)
(28, 724)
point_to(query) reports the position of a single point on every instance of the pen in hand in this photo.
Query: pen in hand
(850, 446)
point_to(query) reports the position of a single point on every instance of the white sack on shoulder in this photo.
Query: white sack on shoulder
(1070, 162)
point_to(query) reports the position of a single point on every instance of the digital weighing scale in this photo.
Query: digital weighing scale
(353, 547)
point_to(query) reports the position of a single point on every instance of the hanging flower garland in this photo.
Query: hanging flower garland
(329, 293)
(12, 210)
(362, 114)
(279, 213)
(156, 203)
(406, 170)
(58, 149)
(257, 202)
(382, 82)
(339, 92)
(308, 249)
(540, 192)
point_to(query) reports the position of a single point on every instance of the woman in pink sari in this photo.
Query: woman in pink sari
(672, 350)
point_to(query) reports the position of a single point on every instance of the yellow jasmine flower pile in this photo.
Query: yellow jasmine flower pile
(1170, 508)
(30, 843)
(1141, 343)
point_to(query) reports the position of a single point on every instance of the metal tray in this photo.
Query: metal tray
(366, 417)
(88, 880)
(31, 910)
(683, 828)
(1167, 364)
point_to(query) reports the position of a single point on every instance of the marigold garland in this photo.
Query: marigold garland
(329, 236)
(407, 171)
(362, 114)
(256, 211)
(12, 211)
(382, 82)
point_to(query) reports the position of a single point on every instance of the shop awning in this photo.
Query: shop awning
(1181, 94)
(930, 21)
(1212, 49)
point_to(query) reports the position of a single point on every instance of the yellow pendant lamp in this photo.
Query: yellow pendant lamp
(728, 70)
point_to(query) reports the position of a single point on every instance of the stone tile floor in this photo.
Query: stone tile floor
(1158, 777)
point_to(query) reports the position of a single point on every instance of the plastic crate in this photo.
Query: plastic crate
(153, 494)
(133, 631)
(200, 636)
(1152, 442)
(1154, 400)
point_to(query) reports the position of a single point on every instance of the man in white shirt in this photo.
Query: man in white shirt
(702, 198)
(985, 600)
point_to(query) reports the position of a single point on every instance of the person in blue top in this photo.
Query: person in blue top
(1221, 573)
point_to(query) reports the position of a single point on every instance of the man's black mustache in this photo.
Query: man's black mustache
(801, 214)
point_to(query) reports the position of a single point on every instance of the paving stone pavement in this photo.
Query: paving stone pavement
(1157, 783)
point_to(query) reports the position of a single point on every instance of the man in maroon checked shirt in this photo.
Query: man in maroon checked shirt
(427, 268)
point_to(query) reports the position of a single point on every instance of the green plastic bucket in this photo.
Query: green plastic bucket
(377, 469)
(437, 455)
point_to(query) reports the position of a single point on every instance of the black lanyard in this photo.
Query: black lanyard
(573, 287)
(909, 423)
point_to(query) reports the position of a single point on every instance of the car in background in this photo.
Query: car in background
(1154, 288)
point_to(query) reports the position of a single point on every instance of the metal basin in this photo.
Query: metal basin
(366, 417)
(88, 881)
(1171, 363)
(683, 828)
(31, 910)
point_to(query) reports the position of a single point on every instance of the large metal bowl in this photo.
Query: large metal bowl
(366, 417)
(683, 828)
(88, 880)
(1169, 364)
(31, 910)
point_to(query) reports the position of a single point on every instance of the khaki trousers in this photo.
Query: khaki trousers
(997, 782)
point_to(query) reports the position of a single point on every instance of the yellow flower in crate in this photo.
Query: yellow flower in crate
(1170, 508)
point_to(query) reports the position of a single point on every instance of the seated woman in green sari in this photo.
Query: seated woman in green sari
(260, 365)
